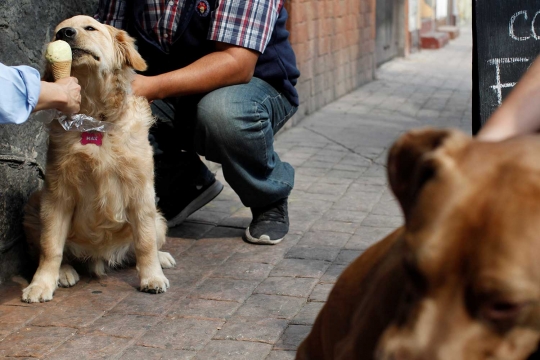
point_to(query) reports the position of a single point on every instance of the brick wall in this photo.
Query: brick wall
(334, 41)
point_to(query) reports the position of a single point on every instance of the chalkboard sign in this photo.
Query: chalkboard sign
(506, 40)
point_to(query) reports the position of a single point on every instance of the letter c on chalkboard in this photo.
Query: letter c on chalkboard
(511, 27)
(533, 30)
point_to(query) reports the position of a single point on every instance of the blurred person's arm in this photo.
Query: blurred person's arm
(520, 111)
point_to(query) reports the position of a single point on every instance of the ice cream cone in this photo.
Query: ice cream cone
(58, 54)
(61, 69)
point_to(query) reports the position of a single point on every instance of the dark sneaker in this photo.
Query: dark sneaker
(184, 187)
(270, 224)
(194, 198)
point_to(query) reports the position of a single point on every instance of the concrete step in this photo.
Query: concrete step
(434, 40)
(452, 31)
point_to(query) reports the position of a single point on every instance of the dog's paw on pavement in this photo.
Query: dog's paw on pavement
(37, 293)
(155, 285)
(166, 260)
(68, 276)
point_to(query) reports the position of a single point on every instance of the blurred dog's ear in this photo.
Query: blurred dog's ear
(47, 73)
(126, 50)
(414, 160)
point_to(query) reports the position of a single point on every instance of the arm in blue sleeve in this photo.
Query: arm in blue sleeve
(20, 93)
(112, 12)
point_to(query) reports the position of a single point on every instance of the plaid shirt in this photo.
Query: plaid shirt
(245, 23)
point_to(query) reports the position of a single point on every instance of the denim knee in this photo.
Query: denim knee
(235, 127)
(225, 119)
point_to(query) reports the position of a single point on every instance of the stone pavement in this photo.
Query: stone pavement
(233, 300)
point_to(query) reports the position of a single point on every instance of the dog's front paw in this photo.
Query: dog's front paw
(68, 276)
(166, 260)
(36, 292)
(155, 284)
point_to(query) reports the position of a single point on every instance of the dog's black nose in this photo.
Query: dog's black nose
(67, 33)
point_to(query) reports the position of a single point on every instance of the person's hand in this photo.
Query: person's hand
(72, 90)
(63, 95)
(145, 86)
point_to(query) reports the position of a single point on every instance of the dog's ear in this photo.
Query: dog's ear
(417, 157)
(129, 56)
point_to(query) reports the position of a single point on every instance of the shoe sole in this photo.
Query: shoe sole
(262, 240)
(203, 199)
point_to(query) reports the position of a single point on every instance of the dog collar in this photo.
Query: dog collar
(90, 128)
(85, 123)
(92, 137)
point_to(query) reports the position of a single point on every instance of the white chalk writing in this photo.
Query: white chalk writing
(498, 85)
(511, 29)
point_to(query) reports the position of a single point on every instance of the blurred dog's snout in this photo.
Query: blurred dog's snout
(67, 33)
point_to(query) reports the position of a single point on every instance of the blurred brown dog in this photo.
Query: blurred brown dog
(461, 279)
(98, 202)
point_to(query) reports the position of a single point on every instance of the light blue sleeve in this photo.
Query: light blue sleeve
(19, 93)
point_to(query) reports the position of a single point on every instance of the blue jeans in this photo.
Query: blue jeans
(235, 127)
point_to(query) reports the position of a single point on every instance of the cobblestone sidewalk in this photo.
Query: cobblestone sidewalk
(233, 300)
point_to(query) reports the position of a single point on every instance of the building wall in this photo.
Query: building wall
(441, 9)
(464, 8)
(334, 42)
(414, 26)
(414, 15)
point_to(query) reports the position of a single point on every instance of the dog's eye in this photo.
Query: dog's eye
(90, 28)
(503, 310)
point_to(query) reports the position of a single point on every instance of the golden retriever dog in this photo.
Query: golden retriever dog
(97, 205)
(461, 279)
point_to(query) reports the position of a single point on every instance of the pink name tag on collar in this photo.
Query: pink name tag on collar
(91, 137)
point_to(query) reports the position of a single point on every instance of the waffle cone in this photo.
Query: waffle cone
(61, 69)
